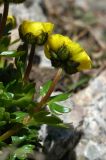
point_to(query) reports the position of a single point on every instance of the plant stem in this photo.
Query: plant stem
(10, 132)
(4, 18)
(51, 89)
(29, 66)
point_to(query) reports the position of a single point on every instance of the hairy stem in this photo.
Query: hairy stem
(4, 18)
(29, 66)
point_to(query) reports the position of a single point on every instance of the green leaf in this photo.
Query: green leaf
(45, 88)
(57, 109)
(25, 100)
(60, 97)
(4, 116)
(11, 54)
(20, 88)
(2, 62)
(2, 111)
(27, 135)
(1, 85)
(40, 115)
(19, 116)
(44, 117)
(22, 152)
(18, 139)
(7, 96)
(4, 43)
(2, 123)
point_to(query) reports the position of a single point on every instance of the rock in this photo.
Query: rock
(93, 100)
(57, 142)
(92, 151)
(21, 11)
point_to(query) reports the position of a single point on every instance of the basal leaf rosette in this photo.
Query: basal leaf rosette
(65, 53)
(35, 32)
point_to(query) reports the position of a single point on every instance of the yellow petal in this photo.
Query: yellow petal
(56, 41)
(48, 27)
(75, 49)
(85, 61)
(35, 28)
(68, 41)
(78, 54)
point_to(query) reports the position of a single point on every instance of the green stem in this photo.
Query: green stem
(29, 66)
(51, 89)
(10, 132)
(4, 18)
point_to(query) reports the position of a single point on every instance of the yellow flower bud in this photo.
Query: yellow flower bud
(67, 54)
(55, 42)
(35, 32)
(11, 22)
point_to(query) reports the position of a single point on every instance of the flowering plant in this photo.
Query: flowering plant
(20, 110)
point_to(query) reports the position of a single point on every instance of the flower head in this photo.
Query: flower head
(67, 54)
(35, 32)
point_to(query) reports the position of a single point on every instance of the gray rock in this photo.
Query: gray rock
(93, 100)
(93, 151)
(58, 142)
(30, 10)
